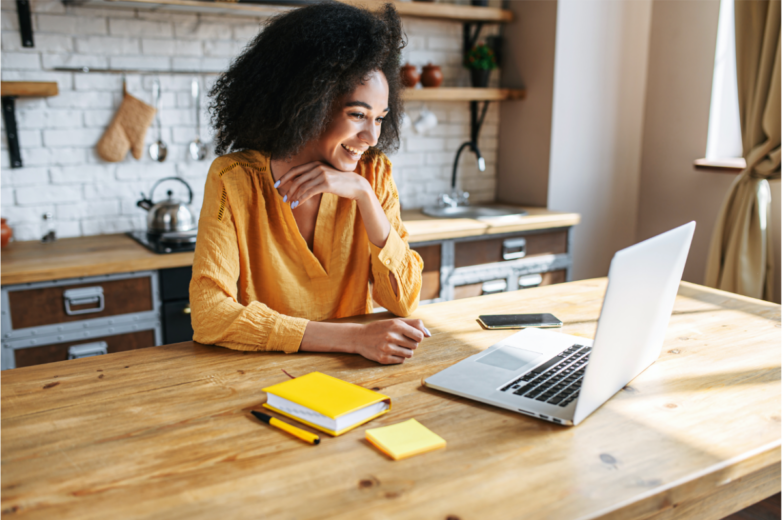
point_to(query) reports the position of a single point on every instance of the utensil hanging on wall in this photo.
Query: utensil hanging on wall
(158, 150)
(197, 148)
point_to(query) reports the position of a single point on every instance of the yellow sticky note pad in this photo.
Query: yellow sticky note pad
(404, 439)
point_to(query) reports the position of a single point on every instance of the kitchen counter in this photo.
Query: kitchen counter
(24, 262)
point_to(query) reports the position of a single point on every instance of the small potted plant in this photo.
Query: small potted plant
(481, 60)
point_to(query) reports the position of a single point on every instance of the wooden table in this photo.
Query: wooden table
(166, 432)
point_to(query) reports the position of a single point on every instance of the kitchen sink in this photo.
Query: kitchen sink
(478, 212)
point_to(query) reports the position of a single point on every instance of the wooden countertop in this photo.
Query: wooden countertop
(166, 431)
(24, 262)
(423, 228)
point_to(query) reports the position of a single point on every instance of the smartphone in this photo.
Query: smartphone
(519, 321)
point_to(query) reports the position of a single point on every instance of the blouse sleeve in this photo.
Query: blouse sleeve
(395, 257)
(217, 316)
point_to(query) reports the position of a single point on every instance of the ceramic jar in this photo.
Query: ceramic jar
(432, 76)
(7, 233)
(409, 75)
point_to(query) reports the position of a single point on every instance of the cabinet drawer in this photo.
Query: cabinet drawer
(430, 283)
(487, 251)
(26, 357)
(47, 305)
(477, 289)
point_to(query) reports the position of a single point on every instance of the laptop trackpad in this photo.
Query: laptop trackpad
(510, 358)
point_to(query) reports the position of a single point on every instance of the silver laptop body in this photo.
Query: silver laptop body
(563, 378)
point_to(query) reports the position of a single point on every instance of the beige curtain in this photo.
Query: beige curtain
(741, 258)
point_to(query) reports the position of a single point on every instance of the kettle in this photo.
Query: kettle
(170, 214)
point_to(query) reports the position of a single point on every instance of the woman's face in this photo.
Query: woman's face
(355, 124)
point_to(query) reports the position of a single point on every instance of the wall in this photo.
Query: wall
(597, 124)
(62, 174)
(525, 127)
(681, 61)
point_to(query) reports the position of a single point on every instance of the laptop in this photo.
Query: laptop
(562, 378)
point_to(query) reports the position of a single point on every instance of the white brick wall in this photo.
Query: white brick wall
(63, 176)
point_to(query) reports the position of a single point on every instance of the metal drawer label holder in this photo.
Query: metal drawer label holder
(84, 296)
(97, 348)
(514, 248)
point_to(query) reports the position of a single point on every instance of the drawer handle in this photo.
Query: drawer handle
(494, 287)
(83, 296)
(97, 348)
(514, 248)
(186, 310)
(529, 281)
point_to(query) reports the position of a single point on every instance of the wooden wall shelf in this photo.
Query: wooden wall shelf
(28, 88)
(464, 13)
(463, 94)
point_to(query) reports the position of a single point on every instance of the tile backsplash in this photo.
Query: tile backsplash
(63, 176)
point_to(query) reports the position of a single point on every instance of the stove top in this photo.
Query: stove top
(161, 247)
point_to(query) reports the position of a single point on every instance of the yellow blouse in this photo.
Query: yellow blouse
(255, 282)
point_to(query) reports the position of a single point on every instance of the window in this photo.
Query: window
(724, 138)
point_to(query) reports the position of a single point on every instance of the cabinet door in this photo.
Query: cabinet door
(430, 282)
(176, 322)
(26, 357)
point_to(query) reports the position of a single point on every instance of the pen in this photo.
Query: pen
(297, 432)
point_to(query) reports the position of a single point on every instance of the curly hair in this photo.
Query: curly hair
(279, 93)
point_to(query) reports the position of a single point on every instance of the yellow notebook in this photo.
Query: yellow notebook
(405, 439)
(326, 403)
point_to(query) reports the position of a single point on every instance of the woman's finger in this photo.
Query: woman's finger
(402, 352)
(418, 324)
(393, 360)
(403, 341)
(414, 333)
(292, 186)
(308, 190)
(297, 171)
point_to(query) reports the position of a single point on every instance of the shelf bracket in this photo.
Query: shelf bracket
(25, 22)
(9, 119)
(470, 36)
(476, 121)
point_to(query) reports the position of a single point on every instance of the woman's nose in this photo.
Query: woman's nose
(370, 133)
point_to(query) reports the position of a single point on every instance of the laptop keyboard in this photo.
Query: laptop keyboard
(556, 381)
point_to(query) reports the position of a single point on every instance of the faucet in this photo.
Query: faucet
(458, 197)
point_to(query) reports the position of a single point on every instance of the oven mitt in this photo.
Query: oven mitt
(126, 131)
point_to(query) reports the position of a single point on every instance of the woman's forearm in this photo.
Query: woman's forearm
(375, 221)
(330, 337)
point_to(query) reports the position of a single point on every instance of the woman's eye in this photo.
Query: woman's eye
(358, 115)
(380, 120)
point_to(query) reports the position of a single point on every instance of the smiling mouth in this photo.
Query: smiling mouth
(356, 153)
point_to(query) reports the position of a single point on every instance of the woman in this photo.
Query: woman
(302, 223)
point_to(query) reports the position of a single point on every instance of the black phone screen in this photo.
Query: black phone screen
(508, 321)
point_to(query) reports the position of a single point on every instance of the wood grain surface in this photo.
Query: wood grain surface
(166, 432)
(28, 88)
(34, 261)
(424, 228)
(419, 10)
(462, 94)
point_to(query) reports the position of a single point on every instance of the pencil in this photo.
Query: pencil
(297, 432)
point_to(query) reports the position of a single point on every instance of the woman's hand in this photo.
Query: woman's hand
(391, 341)
(386, 341)
(304, 181)
(309, 179)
